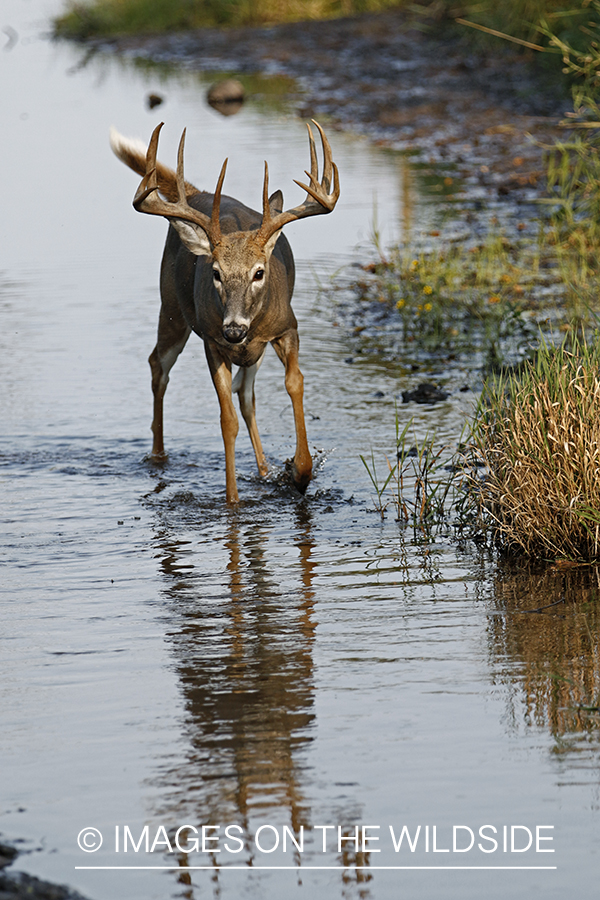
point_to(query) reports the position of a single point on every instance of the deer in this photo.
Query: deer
(227, 274)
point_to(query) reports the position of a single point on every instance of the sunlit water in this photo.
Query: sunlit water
(292, 664)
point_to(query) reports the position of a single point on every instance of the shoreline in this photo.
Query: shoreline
(376, 76)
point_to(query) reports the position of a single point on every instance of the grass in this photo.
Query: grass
(83, 20)
(421, 481)
(538, 435)
(521, 20)
(528, 476)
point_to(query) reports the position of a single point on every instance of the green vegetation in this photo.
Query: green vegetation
(523, 20)
(530, 474)
(421, 483)
(455, 299)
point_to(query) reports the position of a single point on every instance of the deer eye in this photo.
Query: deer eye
(259, 275)
(216, 275)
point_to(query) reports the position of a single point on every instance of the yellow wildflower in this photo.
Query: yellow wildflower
(494, 299)
(400, 303)
(428, 289)
(428, 307)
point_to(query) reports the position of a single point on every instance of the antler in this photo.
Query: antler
(147, 199)
(318, 201)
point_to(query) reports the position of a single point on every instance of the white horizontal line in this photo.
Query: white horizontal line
(176, 868)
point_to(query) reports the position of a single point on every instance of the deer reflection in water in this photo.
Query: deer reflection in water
(243, 641)
(549, 626)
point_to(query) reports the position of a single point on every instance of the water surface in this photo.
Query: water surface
(291, 664)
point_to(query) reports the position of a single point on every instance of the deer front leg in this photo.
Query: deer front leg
(172, 338)
(220, 370)
(286, 348)
(243, 385)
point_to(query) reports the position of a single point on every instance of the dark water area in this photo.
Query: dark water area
(297, 675)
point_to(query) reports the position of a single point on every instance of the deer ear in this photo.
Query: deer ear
(192, 236)
(276, 203)
(270, 245)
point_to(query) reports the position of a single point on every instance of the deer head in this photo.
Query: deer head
(240, 260)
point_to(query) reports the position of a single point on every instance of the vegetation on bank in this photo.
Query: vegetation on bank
(527, 478)
(93, 18)
(529, 473)
(523, 21)
(537, 433)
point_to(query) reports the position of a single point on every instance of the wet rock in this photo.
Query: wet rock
(425, 393)
(226, 96)
(7, 855)
(19, 886)
(153, 100)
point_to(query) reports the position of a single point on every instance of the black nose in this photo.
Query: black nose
(234, 333)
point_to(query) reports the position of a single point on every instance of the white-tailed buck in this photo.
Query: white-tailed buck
(228, 274)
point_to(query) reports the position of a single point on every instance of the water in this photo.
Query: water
(295, 663)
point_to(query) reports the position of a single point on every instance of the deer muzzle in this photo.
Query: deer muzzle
(235, 334)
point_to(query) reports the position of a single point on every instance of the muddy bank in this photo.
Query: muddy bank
(378, 76)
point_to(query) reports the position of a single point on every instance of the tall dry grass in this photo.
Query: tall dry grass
(538, 433)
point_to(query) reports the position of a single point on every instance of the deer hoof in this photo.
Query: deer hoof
(301, 479)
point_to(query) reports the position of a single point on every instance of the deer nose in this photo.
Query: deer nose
(235, 334)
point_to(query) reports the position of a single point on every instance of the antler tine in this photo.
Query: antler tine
(327, 161)
(149, 182)
(148, 200)
(314, 165)
(320, 198)
(215, 223)
(180, 179)
(265, 199)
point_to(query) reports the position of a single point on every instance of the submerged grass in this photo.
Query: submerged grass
(423, 483)
(457, 299)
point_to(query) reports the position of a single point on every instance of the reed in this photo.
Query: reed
(421, 480)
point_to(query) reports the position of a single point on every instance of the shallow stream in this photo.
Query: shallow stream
(296, 675)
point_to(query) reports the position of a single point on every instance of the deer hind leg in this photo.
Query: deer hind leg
(286, 348)
(173, 334)
(220, 370)
(243, 385)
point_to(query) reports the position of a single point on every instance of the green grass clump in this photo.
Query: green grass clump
(538, 434)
